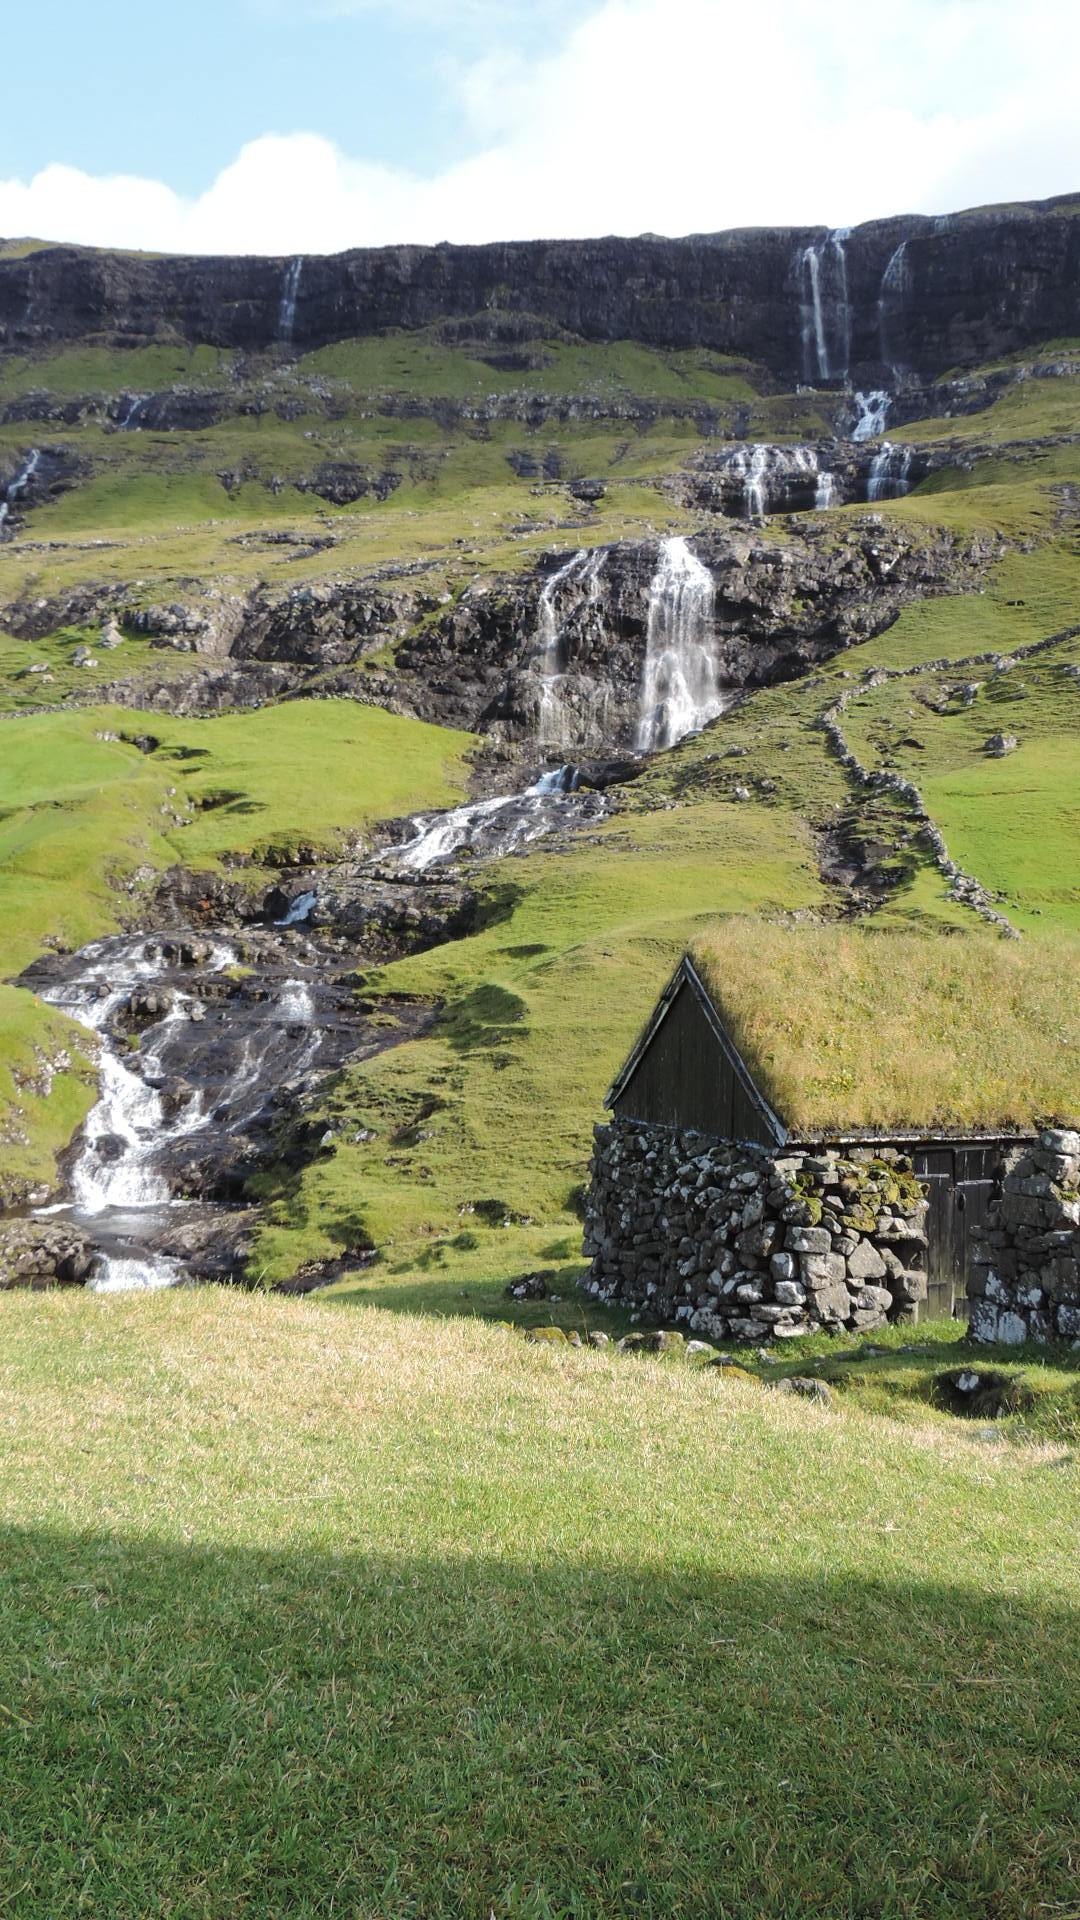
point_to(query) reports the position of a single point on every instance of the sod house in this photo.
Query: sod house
(824, 1129)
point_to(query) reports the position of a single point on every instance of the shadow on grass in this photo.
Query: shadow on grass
(450, 1292)
(484, 1019)
(206, 1733)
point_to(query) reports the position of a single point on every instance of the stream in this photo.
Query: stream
(207, 1040)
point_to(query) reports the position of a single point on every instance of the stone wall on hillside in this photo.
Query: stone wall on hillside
(1026, 1279)
(740, 1242)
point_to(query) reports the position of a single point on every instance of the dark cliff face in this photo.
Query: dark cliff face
(913, 295)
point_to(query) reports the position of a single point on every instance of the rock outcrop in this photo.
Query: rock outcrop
(913, 294)
(777, 611)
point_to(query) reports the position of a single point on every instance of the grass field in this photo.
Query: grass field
(365, 1607)
(310, 1613)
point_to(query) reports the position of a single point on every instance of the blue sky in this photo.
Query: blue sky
(172, 88)
(286, 126)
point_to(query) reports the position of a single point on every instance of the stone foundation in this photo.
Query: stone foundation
(745, 1243)
(1026, 1280)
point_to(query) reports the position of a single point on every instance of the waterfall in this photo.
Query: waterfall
(826, 488)
(299, 911)
(552, 719)
(777, 479)
(287, 309)
(560, 780)
(837, 243)
(873, 414)
(496, 827)
(19, 484)
(820, 263)
(895, 283)
(890, 473)
(811, 269)
(680, 691)
(129, 419)
(752, 464)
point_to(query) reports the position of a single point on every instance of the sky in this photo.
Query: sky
(304, 126)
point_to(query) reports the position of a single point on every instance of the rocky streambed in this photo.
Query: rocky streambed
(216, 1026)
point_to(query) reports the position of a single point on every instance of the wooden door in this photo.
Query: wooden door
(945, 1256)
(976, 1174)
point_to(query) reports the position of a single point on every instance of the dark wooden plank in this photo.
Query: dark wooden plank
(934, 1165)
(685, 1079)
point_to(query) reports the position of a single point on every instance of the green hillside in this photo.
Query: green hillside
(414, 1599)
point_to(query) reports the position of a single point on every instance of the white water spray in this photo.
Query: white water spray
(553, 718)
(299, 911)
(826, 489)
(873, 413)
(680, 691)
(890, 475)
(19, 484)
(895, 284)
(287, 309)
(820, 264)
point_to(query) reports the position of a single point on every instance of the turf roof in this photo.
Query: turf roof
(851, 1030)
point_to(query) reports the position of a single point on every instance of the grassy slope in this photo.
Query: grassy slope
(304, 1614)
(541, 1004)
(530, 1040)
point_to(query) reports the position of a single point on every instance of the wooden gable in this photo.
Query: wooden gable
(686, 1073)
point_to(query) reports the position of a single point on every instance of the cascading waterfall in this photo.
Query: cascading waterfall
(872, 414)
(129, 419)
(680, 691)
(500, 826)
(287, 309)
(299, 911)
(119, 1186)
(19, 484)
(820, 264)
(552, 719)
(838, 245)
(752, 463)
(895, 284)
(811, 271)
(890, 475)
(826, 489)
(791, 475)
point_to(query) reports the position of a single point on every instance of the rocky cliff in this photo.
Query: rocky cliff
(912, 295)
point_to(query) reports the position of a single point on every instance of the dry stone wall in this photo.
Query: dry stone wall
(1026, 1279)
(739, 1242)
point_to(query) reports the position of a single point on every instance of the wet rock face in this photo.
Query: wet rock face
(740, 1243)
(35, 1254)
(776, 611)
(965, 290)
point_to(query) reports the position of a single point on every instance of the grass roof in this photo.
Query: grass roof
(858, 1029)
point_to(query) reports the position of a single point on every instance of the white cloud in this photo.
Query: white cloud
(670, 116)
